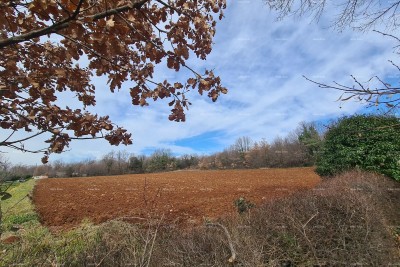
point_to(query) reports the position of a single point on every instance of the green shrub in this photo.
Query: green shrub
(243, 205)
(369, 142)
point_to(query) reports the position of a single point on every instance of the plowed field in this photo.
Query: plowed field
(182, 197)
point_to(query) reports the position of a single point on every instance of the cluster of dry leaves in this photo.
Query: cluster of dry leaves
(44, 42)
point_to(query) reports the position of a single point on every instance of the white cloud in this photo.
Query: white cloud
(261, 61)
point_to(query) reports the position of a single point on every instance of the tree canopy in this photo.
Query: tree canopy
(370, 142)
(49, 47)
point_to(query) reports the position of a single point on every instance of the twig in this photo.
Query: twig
(232, 259)
(309, 220)
(101, 261)
(153, 241)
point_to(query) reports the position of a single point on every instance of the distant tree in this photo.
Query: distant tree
(160, 160)
(4, 174)
(243, 144)
(90, 167)
(109, 161)
(136, 164)
(22, 171)
(42, 170)
(258, 155)
(58, 165)
(227, 159)
(58, 169)
(5, 165)
(207, 162)
(69, 170)
(48, 48)
(187, 161)
(370, 142)
(309, 137)
(239, 150)
(122, 158)
(287, 152)
(363, 16)
(277, 153)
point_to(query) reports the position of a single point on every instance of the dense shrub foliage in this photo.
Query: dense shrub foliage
(369, 142)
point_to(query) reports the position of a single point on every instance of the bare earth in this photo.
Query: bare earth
(184, 197)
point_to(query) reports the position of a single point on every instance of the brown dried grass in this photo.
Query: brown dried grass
(344, 221)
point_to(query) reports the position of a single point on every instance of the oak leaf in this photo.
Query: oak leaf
(50, 47)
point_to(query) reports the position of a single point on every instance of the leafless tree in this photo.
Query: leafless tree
(4, 167)
(42, 170)
(122, 158)
(258, 155)
(109, 160)
(243, 144)
(382, 17)
(357, 14)
(4, 172)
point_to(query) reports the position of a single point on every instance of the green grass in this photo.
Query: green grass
(86, 245)
(19, 209)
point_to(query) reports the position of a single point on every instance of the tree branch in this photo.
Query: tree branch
(232, 259)
(37, 33)
(23, 149)
(92, 51)
(6, 143)
(386, 34)
(169, 6)
(134, 5)
(66, 22)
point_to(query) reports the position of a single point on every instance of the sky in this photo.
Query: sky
(261, 60)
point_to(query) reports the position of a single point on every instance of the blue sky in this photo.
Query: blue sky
(261, 61)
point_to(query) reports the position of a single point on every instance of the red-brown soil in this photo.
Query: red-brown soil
(182, 197)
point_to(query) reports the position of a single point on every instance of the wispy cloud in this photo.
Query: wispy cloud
(262, 62)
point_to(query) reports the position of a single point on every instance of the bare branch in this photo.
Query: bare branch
(360, 15)
(6, 143)
(386, 34)
(232, 259)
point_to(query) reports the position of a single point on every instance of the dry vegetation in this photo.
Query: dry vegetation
(349, 220)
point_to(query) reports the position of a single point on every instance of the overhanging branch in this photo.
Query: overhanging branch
(66, 22)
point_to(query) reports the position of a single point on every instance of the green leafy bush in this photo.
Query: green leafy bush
(243, 205)
(369, 142)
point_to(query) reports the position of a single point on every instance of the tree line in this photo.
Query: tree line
(369, 142)
(298, 148)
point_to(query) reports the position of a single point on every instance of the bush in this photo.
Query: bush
(369, 142)
(343, 222)
(243, 205)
